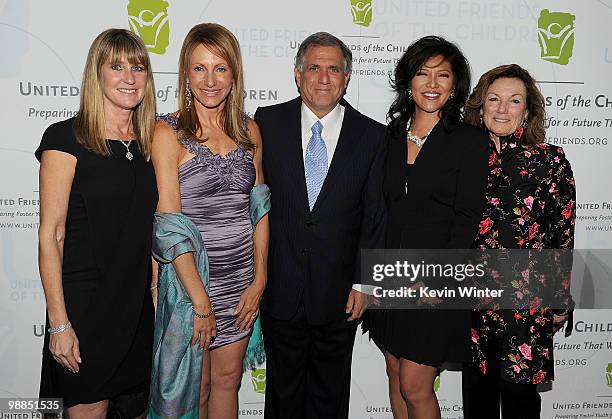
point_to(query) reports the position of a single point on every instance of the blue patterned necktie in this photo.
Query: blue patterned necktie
(315, 163)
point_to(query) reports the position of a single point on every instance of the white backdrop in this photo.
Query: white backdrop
(43, 46)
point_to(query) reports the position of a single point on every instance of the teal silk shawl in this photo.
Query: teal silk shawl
(177, 365)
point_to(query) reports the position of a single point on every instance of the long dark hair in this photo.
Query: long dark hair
(411, 62)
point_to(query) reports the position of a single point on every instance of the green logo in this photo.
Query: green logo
(609, 374)
(362, 12)
(258, 379)
(437, 384)
(556, 36)
(149, 19)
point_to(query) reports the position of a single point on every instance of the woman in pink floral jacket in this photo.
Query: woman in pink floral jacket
(531, 205)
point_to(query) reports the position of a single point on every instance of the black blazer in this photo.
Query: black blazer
(313, 256)
(440, 205)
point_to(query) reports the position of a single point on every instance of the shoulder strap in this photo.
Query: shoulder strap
(169, 119)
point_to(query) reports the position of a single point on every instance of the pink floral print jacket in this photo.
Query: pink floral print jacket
(531, 201)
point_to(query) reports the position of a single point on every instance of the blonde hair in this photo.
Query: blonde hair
(221, 42)
(89, 124)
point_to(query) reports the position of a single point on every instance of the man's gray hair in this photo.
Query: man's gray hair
(323, 39)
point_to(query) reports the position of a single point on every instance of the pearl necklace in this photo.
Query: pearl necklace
(419, 141)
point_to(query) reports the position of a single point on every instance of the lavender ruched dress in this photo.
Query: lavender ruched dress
(215, 196)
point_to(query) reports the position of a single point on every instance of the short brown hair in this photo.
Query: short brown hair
(536, 113)
(221, 42)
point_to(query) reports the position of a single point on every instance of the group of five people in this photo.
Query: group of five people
(117, 186)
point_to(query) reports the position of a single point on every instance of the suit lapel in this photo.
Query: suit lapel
(343, 155)
(433, 148)
(295, 153)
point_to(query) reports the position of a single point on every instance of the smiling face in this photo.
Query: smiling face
(505, 106)
(123, 84)
(210, 77)
(432, 85)
(322, 80)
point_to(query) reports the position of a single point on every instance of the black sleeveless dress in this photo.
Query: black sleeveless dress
(106, 272)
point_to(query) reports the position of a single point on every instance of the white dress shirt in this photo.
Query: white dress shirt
(332, 124)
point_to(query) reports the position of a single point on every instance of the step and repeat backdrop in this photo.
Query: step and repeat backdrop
(566, 45)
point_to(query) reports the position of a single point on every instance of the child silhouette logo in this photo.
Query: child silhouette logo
(258, 379)
(149, 19)
(556, 36)
(362, 12)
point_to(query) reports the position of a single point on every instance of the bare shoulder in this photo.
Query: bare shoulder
(254, 132)
(163, 126)
(165, 137)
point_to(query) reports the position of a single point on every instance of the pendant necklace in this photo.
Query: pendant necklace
(128, 154)
(126, 143)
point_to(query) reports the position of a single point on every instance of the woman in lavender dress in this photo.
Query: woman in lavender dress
(207, 159)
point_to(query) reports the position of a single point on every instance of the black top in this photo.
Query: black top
(106, 270)
(440, 206)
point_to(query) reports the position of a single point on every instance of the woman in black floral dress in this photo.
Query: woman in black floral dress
(531, 205)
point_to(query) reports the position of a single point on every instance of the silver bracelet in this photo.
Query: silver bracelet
(60, 328)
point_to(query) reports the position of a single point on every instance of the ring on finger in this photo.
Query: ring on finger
(254, 315)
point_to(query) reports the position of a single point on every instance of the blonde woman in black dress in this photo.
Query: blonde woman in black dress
(97, 198)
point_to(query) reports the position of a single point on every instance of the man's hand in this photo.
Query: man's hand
(356, 305)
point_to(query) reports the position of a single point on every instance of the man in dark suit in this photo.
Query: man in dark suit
(324, 165)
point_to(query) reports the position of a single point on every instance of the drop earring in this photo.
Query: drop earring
(187, 95)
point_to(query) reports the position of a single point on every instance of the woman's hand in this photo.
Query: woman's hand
(247, 309)
(559, 322)
(204, 326)
(64, 347)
